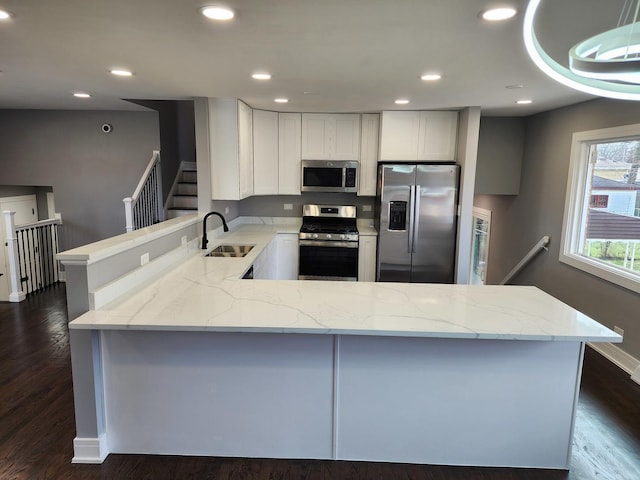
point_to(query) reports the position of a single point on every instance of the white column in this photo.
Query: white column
(128, 214)
(16, 295)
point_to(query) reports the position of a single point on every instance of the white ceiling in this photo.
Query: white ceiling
(324, 55)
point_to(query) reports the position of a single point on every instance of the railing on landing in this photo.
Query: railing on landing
(145, 206)
(537, 248)
(32, 250)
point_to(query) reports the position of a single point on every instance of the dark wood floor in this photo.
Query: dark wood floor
(37, 422)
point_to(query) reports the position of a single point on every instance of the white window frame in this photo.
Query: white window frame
(575, 209)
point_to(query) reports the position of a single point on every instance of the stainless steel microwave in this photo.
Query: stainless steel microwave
(329, 176)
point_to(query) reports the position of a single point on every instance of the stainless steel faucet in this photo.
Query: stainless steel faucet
(204, 227)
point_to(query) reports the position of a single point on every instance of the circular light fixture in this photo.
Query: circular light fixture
(401, 101)
(119, 72)
(281, 100)
(81, 95)
(430, 77)
(524, 101)
(4, 15)
(515, 86)
(261, 76)
(499, 14)
(217, 12)
(593, 86)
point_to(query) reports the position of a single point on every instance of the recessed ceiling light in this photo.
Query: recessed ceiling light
(499, 14)
(217, 12)
(121, 73)
(402, 101)
(524, 102)
(430, 77)
(4, 15)
(281, 100)
(515, 86)
(261, 76)
(81, 95)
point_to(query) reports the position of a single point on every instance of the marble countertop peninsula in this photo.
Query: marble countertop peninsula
(208, 294)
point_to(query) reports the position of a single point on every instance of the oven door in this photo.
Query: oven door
(328, 260)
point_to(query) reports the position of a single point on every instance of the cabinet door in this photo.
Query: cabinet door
(367, 258)
(344, 137)
(437, 136)
(265, 153)
(287, 255)
(369, 154)
(245, 149)
(289, 137)
(399, 136)
(315, 136)
(223, 134)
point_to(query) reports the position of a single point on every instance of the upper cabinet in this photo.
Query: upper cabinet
(265, 152)
(231, 149)
(289, 139)
(369, 154)
(330, 136)
(500, 151)
(418, 136)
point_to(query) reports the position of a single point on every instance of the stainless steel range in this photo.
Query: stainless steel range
(328, 243)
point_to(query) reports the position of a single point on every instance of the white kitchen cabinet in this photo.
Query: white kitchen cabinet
(231, 149)
(265, 153)
(369, 154)
(367, 258)
(330, 136)
(287, 253)
(418, 136)
(289, 150)
(265, 265)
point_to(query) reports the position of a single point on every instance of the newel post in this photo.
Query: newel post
(128, 214)
(16, 294)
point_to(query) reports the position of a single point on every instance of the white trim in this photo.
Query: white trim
(90, 450)
(575, 207)
(620, 358)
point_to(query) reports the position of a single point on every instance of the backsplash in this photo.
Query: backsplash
(274, 205)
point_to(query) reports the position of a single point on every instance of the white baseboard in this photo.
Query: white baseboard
(619, 357)
(90, 450)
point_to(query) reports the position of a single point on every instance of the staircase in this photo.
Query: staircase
(184, 197)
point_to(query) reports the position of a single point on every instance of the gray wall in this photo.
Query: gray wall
(519, 222)
(273, 206)
(90, 172)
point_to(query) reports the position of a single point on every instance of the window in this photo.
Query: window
(601, 231)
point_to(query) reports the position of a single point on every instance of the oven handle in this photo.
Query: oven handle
(327, 243)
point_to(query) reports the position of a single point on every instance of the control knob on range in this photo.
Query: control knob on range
(315, 235)
(328, 236)
(343, 236)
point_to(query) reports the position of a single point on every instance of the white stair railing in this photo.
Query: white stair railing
(32, 250)
(145, 206)
(541, 245)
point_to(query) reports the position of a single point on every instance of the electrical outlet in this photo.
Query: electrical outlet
(366, 208)
(144, 258)
(619, 331)
(183, 240)
(288, 206)
(226, 210)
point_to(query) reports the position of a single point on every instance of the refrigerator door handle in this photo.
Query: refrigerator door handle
(416, 216)
(412, 201)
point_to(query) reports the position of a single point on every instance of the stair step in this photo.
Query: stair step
(185, 201)
(189, 176)
(179, 212)
(187, 188)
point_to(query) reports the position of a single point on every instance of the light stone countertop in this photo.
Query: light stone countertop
(207, 294)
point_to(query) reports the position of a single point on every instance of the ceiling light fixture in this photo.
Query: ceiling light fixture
(499, 14)
(121, 73)
(217, 12)
(430, 77)
(261, 76)
(401, 101)
(594, 85)
(4, 15)
(281, 100)
(524, 102)
(81, 95)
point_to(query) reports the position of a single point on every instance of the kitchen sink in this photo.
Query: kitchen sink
(230, 251)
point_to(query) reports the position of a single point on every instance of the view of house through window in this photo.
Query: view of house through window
(610, 230)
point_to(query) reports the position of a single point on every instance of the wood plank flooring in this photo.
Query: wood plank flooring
(37, 422)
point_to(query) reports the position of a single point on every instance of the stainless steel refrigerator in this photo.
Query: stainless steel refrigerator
(416, 211)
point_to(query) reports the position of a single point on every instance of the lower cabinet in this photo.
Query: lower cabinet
(287, 256)
(367, 258)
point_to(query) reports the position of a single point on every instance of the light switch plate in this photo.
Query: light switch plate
(366, 208)
(144, 258)
(288, 206)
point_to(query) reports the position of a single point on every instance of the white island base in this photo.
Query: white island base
(321, 396)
